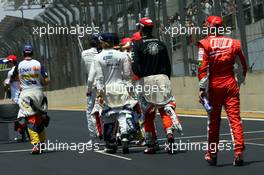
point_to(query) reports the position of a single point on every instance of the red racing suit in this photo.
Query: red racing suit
(217, 56)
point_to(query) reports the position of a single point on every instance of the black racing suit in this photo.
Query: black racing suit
(151, 63)
(150, 57)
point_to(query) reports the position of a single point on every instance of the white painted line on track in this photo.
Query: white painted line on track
(25, 150)
(181, 115)
(113, 155)
(255, 144)
(203, 116)
(202, 136)
(16, 151)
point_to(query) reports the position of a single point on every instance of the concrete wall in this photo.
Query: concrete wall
(184, 88)
(252, 93)
(69, 97)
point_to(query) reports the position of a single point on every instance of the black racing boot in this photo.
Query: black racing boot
(125, 143)
(211, 159)
(238, 160)
(110, 148)
(150, 150)
(170, 138)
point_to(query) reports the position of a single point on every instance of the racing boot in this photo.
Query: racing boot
(238, 160)
(110, 148)
(125, 144)
(36, 149)
(118, 139)
(150, 150)
(170, 138)
(211, 159)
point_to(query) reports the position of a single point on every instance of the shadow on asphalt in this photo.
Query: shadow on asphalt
(247, 163)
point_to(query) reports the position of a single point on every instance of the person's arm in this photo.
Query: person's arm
(241, 68)
(45, 78)
(8, 79)
(242, 58)
(203, 70)
(91, 78)
(14, 76)
(135, 60)
(127, 74)
(96, 74)
(167, 63)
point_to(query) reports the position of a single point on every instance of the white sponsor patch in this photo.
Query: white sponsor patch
(200, 53)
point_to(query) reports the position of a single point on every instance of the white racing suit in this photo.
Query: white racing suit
(92, 115)
(113, 72)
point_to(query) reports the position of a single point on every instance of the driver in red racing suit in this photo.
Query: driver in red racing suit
(217, 56)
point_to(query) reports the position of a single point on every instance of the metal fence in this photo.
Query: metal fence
(61, 53)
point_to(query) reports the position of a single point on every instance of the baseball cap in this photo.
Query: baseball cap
(213, 21)
(28, 48)
(106, 37)
(125, 41)
(136, 36)
(10, 58)
(145, 22)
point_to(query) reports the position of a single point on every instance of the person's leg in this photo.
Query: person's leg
(98, 122)
(168, 128)
(36, 132)
(20, 127)
(90, 119)
(109, 133)
(232, 106)
(126, 125)
(216, 98)
(170, 118)
(42, 136)
(149, 127)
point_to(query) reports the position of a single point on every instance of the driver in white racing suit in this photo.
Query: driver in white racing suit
(12, 81)
(113, 72)
(92, 115)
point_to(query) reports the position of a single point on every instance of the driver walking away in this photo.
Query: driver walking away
(151, 63)
(32, 102)
(12, 82)
(113, 73)
(217, 56)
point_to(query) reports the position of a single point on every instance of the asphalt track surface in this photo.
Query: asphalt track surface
(70, 126)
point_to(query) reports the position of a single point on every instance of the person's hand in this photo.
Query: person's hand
(88, 93)
(100, 100)
(202, 93)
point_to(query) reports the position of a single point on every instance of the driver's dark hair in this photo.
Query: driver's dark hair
(147, 30)
(93, 42)
(28, 54)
